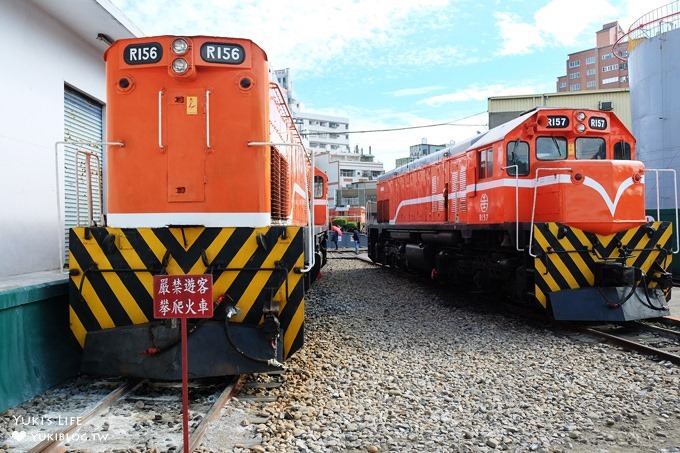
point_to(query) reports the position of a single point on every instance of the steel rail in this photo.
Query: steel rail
(674, 358)
(55, 439)
(214, 413)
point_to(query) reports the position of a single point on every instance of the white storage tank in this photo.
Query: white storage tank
(654, 70)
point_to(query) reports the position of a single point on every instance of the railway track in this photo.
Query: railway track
(646, 337)
(134, 413)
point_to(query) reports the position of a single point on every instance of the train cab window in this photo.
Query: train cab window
(517, 157)
(551, 148)
(622, 150)
(485, 163)
(590, 148)
(318, 187)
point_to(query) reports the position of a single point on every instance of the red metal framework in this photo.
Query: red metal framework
(658, 21)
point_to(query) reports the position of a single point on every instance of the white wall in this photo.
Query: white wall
(40, 55)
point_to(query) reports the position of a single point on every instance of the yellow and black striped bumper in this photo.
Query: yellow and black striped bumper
(112, 273)
(567, 258)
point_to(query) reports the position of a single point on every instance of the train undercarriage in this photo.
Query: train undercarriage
(568, 273)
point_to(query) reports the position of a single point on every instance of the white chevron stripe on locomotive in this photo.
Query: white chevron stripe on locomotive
(543, 181)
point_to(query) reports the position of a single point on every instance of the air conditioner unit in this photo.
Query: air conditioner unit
(606, 106)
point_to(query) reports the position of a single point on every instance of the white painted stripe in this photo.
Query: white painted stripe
(543, 181)
(300, 191)
(208, 219)
(414, 201)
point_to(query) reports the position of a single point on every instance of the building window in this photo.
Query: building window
(591, 84)
(607, 56)
(611, 67)
(590, 60)
(574, 63)
(575, 87)
(563, 84)
(575, 75)
(591, 72)
(610, 80)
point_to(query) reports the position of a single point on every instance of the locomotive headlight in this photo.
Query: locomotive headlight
(581, 127)
(180, 66)
(179, 46)
(580, 116)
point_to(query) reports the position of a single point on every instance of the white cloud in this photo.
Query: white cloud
(558, 23)
(395, 131)
(416, 91)
(632, 10)
(306, 35)
(517, 37)
(480, 93)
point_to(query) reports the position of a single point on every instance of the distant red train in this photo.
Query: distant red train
(206, 174)
(548, 207)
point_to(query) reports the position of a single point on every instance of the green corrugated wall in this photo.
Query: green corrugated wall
(37, 349)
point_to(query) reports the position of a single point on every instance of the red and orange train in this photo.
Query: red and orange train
(206, 175)
(548, 207)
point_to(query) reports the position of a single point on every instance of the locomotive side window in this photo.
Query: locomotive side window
(318, 187)
(590, 148)
(622, 150)
(485, 160)
(551, 148)
(517, 153)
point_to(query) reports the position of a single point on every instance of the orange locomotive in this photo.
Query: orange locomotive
(206, 175)
(548, 207)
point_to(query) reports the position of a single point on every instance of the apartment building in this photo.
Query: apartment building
(328, 137)
(598, 68)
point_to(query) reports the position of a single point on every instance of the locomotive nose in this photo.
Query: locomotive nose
(604, 197)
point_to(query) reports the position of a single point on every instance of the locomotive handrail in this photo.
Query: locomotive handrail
(516, 167)
(675, 198)
(533, 206)
(90, 204)
(160, 120)
(254, 143)
(60, 219)
(207, 119)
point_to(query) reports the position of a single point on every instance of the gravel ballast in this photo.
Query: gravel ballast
(391, 364)
(394, 364)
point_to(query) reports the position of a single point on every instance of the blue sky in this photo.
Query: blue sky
(402, 63)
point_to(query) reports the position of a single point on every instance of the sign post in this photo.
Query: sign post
(183, 297)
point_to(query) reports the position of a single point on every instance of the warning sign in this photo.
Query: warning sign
(182, 296)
